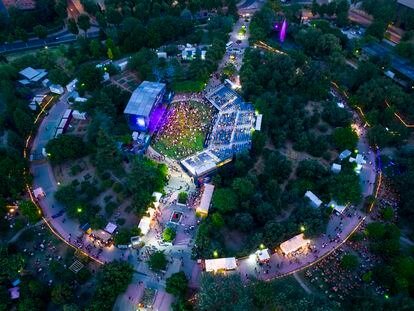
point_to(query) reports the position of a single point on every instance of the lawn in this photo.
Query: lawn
(188, 86)
(184, 129)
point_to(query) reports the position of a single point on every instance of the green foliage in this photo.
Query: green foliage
(30, 210)
(182, 197)
(169, 234)
(345, 138)
(113, 280)
(217, 220)
(224, 200)
(64, 148)
(11, 263)
(158, 261)
(62, 293)
(89, 77)
(349, 262)
(146, 177)
(177, 284)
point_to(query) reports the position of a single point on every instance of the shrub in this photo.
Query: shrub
(110, 208)
(169, 234)
(118, 187)
(182, 197)
(120, 221)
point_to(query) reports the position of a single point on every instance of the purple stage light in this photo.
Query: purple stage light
(282, 34)
(156, 121)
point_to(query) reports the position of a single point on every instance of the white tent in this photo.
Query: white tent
(79, 115)
(315, 201)
(263, 255)
(218, 264)
(344, 154)
(294, 244)
(338, 208)
(144, 225)
(38, 192)
(205, 199)
(110, 227)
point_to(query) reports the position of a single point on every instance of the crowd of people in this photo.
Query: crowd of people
(186, 123)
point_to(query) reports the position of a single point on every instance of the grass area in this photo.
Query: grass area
(188, 86)
(184, 129)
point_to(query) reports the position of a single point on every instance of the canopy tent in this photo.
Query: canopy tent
(220, 264)
(144, 225)
(263, 255)
(101, 235)
(205, 199)
(294, 244)
(110, 227)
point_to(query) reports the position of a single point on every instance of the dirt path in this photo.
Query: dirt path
(302, 284)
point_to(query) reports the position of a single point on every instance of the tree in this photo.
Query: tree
(158, 261)
(224, 200)
(84, 22)
(244, 188)
(377, 29)
(217, 220)
(90, 77)
(61, 8)
(64, 148)
(345, 138)
(95, 48)
(113, 280)
(11, 263)
(21, 34)
(40, 31)
(177, 284)
(30, 210)
(349, 262)
(145, 178)
(169, 234)
(62, 293)
(182, 197)
(72, 26)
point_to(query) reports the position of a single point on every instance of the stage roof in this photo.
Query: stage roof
(143, 98)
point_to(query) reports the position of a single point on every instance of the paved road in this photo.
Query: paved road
(52, 40)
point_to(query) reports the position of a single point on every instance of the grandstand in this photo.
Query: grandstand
(231, 132)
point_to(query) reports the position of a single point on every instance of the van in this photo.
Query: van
(229, 44)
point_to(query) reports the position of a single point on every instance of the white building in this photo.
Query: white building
(336, 168)
(314, 200)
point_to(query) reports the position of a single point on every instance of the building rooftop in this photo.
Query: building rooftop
(143, 98)
(407, 3)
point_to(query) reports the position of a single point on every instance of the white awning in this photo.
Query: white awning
(294, 244)
(220, 264)
(110, 227)
(263, 255)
